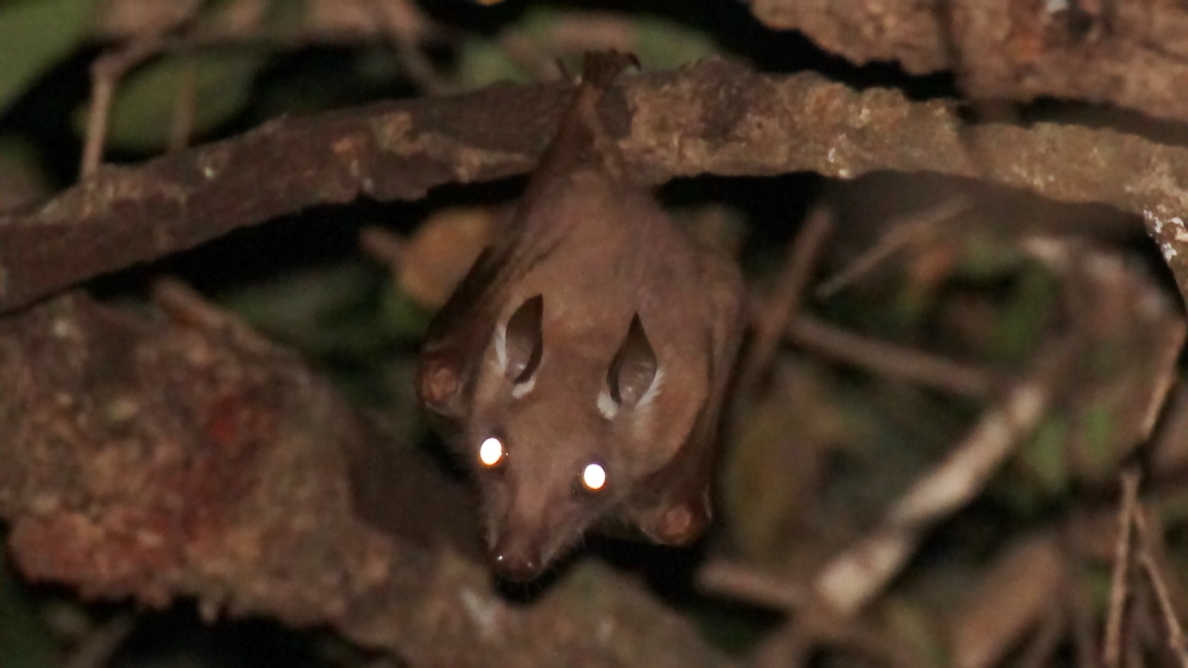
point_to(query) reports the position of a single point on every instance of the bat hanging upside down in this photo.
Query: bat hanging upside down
(579, 369)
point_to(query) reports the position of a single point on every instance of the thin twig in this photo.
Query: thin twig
(1138, 626)
(393, 18)
(1111, 655)
(1038, 652)
(783, 302)
(818, 627)
(852, 579)
(745, 582)
(959, 478)
(188, 307)
(880, 357)
(110, 68)
(185, 105)
(107, 71)
(1078, 609)
(1175, 632)
(383, 246)
(855, 636)
(787, 649)
(96, 648)
(859, 573)
(901, 231)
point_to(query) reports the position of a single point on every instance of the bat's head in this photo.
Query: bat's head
(565, 433)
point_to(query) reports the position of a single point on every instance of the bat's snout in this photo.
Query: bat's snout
(517, 560)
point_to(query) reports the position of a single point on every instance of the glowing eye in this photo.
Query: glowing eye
(491, 452)
(594, 477)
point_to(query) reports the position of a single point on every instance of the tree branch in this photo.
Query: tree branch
(153, 457)
(1129, 54)
(714, 117)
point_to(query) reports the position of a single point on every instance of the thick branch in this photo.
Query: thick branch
(1129, 54)
(713, 117)
(149, 458)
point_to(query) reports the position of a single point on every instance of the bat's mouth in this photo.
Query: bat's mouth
(516, 558)
(517, 568)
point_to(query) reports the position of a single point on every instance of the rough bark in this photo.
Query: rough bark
(1129, 54)
(149, 458)
(714, 117)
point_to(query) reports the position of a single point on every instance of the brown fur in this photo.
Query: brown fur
(600, 252)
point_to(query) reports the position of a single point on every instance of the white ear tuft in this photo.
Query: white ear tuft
(607, 405)
(501, 348)
(653, 390)
(524, 388)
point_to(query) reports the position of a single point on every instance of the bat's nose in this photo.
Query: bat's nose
(516, 560)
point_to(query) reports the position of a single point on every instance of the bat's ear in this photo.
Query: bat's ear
(455, 332)
(679, 523)
(439, 384)
(522, 343)
(633, 368)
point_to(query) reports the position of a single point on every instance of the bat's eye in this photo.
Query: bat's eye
(492, 452)
(593, 477)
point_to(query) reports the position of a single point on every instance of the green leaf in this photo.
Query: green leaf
(484, 61)
(1033, 297)
(1102, 446)
(34, 36)
(25, 641)
(144, 106)
(659, 43)
(1044, 457)
(662, 44)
